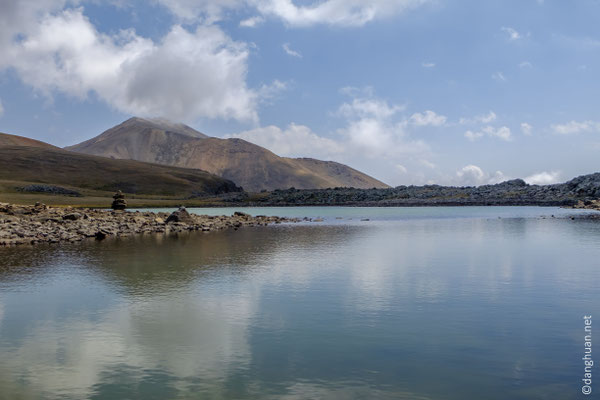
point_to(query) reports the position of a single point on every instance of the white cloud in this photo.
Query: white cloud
(428, 118)
(184, 76)
(497, 177)
(268, 92)
(499, 76)
(543, 178)
(294, 141)
(427, 163)
(334, 12)
(574, 127)
(374, 138)
(290, 52)
(401, 168)
(472, 175)
(473, 136)
(369, 107)
(479, 119)
(252, 22)
(328, 12)
(503, 133)
(511, 32)
(373, 129)
(526, 129)
(428, 65)
(206, 11)
(525, 65)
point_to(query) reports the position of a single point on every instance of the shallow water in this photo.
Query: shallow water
(416, 303)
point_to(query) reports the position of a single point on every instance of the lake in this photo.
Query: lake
(415, 303)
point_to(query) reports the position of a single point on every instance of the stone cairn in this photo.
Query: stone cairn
(119, 202)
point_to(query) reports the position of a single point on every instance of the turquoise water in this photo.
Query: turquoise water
(416, 303)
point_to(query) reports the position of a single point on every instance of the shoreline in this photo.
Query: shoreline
(23, 225)
(26, 224)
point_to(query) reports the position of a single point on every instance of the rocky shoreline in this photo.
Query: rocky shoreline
(42, 224)
(515, 192)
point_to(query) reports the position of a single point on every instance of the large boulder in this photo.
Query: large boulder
(181, 215)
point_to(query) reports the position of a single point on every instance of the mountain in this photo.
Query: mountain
(248, 165)
(39, 162)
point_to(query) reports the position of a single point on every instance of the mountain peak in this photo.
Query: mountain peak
(163, 124)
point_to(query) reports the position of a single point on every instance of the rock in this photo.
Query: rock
(72, 216)
(49, 189)
(101, 234)
(241, 214)
(119, 202)
(181, 215)
(30, 225)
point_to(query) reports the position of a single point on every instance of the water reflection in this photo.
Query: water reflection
(413, 309)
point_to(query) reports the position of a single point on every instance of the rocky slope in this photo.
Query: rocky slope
(41, 224)
(515, 192)
(248, 165)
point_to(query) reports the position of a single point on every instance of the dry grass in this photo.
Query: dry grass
(104, 202)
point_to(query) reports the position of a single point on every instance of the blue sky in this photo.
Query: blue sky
(409, 91)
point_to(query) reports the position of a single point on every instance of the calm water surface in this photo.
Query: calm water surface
(417, 303)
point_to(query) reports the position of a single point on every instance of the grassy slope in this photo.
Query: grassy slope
(98, 174)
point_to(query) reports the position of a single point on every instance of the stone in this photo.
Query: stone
(119, 202)
(54, 225)
(181, 215)
(101, 235)
(72, 216)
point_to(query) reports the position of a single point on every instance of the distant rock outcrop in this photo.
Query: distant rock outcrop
(583, 191)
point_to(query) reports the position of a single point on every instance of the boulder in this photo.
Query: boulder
(72, 216)
(181, 215)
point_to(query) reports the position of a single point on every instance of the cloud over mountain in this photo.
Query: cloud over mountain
(56, 50)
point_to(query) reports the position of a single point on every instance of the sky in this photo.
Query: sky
(463, 92)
